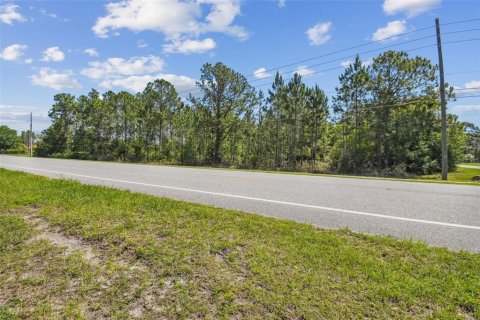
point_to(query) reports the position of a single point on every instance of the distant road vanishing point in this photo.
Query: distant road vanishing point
(439, 214)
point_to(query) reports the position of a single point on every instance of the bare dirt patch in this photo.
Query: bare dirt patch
(56, 237)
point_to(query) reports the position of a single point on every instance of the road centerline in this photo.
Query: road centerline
(376, 215)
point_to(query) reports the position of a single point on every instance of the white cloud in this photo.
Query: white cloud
(117, 67)
(138, 83)
(175, 18)
(281, 3)
(346, 64)
(304, 71)
(28, 61)
(142, 44)
(463, 109)
(470, 87)
(92, 52)
(410, 7)
(47, 13)
(13, 52)
(133, 73)
(392, 29)
(261, 73)
(319, 33)
(53, 54)
(190, 46)
(17, 116)
(57, 80)
(9, 14)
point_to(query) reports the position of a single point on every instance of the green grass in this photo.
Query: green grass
(160, 258)
(459, 175)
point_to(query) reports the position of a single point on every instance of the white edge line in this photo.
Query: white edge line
(257, 199)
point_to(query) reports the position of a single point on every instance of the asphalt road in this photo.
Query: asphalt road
(439, 214)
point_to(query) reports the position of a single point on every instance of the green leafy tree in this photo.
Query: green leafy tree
(8, 138)
(227, 95)
(349, 107)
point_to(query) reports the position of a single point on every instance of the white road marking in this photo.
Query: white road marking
(256, 199)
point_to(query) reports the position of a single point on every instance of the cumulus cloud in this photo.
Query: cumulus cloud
(92, 52)
(114, 67)
(9, 14)
(47, 13)
(178, 20)
(319, 33)
(138, 83)
(133, 73)
(465, 108)
(347, 63)
(17, 116)
(304, 71)
(57, 80)
(261, 73)
(470, 87)
(53, 54)
(13, 52)
(409, 7)
(190, 46)
(391, 30)
(142, 44)
(282, 3)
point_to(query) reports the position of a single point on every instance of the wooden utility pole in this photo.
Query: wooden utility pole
(443, 104)
(30, 138)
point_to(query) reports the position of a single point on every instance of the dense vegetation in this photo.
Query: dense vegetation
(384, 119)
(11, 142)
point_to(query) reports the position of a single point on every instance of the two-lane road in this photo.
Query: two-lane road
(439, 214)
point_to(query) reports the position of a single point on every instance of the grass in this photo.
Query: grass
(159, 258)
(459, 175)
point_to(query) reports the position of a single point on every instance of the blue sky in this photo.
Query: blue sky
(47, 47)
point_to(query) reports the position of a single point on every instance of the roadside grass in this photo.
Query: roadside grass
(459, 175)
(161, 258)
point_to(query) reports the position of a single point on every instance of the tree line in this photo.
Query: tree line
(384, 118)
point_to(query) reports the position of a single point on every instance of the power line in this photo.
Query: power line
(335, 60)
(409, 102)
(343, 50)
(461, 21)
(461, 89)
(364, 52)
(369, 51)
(465, 40)
(341, 67)
(462, 72)
(361, 45)
(414, 49)
(460, 31)
(466, 97)
(404, 103)
(350, 56)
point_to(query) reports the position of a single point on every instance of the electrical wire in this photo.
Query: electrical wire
(364, 52)
(461, 21)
